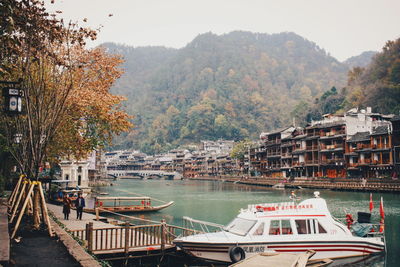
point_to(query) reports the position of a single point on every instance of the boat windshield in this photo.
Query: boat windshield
(240, 226)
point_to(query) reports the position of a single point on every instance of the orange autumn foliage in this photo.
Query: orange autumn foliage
(92, 113)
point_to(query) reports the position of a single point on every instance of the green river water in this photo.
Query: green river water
(220, 202)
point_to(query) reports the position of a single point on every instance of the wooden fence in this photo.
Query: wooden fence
(125, 238)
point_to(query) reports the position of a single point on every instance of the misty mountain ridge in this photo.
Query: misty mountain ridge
(362, 60)
(230, 86)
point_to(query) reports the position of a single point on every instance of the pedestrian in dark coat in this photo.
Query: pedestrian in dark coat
(66, 206)
(79, 204)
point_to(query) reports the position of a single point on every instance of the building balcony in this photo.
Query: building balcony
(312, 162)
(332, 147)
(273, 142)
(332, 162)
(286, 144)
(381, 146)
(333, 135)
(381, 162)
(274, 155)
(297, 164)
(299, 151)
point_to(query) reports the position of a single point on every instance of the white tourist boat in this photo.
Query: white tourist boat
(284, 227)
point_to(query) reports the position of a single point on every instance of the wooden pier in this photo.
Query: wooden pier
(110, 238)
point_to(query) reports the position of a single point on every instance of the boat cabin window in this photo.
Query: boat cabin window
(280, 227)
(240, 226)
(259, 230)
(310, 226)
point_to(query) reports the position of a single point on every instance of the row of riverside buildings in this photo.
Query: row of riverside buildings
(211, 158)
(359, 144)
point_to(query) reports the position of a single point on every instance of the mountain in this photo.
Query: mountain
(230, 86)
(361, 60)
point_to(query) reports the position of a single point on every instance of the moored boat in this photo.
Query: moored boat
(287, 227)
(125, 205)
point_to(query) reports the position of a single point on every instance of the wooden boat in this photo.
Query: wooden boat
(125, 205)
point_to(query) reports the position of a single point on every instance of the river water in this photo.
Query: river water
(220, 202)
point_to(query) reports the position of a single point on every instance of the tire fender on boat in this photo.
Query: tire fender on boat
(236, 254)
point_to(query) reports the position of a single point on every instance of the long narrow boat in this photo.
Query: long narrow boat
(286, 227)
(125, 205)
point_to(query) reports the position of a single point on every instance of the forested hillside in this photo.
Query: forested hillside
(230, 86)
(377, 85)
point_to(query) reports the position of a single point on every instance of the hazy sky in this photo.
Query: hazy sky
(344, 28)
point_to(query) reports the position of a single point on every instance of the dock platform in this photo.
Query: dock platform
(103, 238)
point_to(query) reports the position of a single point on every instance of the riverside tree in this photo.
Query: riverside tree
(67, 107)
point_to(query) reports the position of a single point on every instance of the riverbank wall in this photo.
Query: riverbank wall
(377, 185)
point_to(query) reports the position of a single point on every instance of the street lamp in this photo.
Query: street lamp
(13, 97)
(17, 138)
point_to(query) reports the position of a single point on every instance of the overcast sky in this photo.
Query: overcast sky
(344, 28)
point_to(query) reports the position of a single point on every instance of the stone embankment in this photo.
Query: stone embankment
(373, 185)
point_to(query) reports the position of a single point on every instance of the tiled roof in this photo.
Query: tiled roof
(380, 130)
(326, 125)
(300, 136)
(279, 130)
(359, 137)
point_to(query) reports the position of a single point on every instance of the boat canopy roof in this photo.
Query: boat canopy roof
(72, 190)
(316, 206)
(123, 198)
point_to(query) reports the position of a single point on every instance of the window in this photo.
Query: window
(310, 226)
(321, 229)
(240, 226)
(286, 227)
(280, 227)
(301, 226)
(274, 227)
(67, 177)
(259, 230)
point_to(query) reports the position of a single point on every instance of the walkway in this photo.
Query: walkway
(107, 238)
(75, 224)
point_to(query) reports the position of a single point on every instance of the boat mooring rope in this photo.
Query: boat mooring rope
(131, 217)
(140, 195)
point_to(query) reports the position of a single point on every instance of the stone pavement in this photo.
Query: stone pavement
(75, 224)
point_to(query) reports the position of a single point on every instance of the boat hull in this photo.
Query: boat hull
(219, 252)
(133, 209)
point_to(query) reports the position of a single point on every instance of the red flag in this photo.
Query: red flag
(382, 212)
(371, 204)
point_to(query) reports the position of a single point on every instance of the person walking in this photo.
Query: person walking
(66, 206)
(79, 204)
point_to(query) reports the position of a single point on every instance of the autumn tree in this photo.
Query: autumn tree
(68, 109)
(240, 149)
